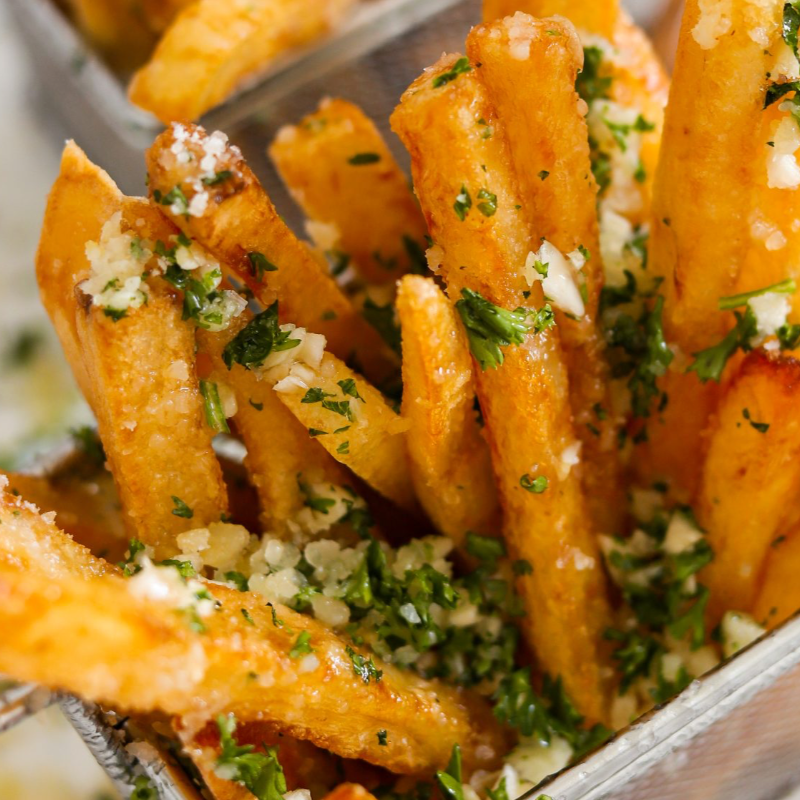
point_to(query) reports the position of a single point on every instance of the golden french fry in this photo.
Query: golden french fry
(549, 146)
(715, 106)
(159, 14)
(280, 451)
(779, 595)
(116, 29)
(31, 543)
(448, 456)
(341, 173)
(565, 598)
(235, 220)
(597, 17)
(349, 791)
(750, 477)
(213, 46)
(138, 371)
(354, 423)
(86, 508)
(139, 654)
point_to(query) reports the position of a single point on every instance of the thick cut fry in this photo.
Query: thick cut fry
(280, 452)
(599, 17)
(699, 233)
(751, 477)
(341, 173)
(779, 595)
(213, 46)
(355, 424)
(448, 456)
(138, 372)
(139, 654)
(549, 146)
(116, 29)
(31, 543)
(349, 791)
(235, 220)
(525, 400)
(86, 508)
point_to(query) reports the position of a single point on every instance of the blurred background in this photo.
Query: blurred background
(44, 758)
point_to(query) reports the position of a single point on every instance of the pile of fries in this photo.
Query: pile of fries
(523, 452)
(188, 56)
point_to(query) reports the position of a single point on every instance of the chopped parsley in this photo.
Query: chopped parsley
(215, 415)
(218, 177)
(463, 203)
(786, 286)
(450, 781)
(543, 174)
(88, 442)
(259, 264)
(459, 68)
(175, 198)
(488, 204)
(237, 579)
(314, 432)
(490, 327)
(256, 406)
(791, 22)
(761, 427)
(260, 773)
(487, 549)
(143, 789)
(363, 158)
(315, 395)
(348, 386)
(260, 337)
(302, 645)
(363, 667)
(535, 485)
(344, 448)
(181, 509)
(382, 318)
(382, 738)
(591, 84)
(341, 407)
(247, 618)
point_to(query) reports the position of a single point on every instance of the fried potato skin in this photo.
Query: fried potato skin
(370, 204)
(779, 594)
(279, 448)
(141, 655)
(547, 135)
(86, 508)
(240, 219)
(372, 444)
(715, 105)
(750, 478)
(566, 606)
(597, 17)
(449, 458)
(137, 373)
(213, 46)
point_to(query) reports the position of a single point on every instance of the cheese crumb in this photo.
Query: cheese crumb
(714, 22)
(560, 285)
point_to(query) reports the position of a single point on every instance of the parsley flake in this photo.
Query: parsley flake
(363, 667)
(260, 337)
(459, 68)
(363, 158)
(181, 509)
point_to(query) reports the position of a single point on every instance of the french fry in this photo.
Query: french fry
(599, 17)
(565, 600)
(159, 14)
(138, 370)
(87, 509)
(213, 46)
(549, 146)
(280, 451)
(449, 458)
(143, 656)
(750, 477)
(31, 543)
(779, 594)
(715, 105)
(341, 173)
(349, 791)
(240, 227)
(116, 29)
(355, 424)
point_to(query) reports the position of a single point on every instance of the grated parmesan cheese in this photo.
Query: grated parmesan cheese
(560, 286)
(783, 171)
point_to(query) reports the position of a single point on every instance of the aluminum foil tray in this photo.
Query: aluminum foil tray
(734, 734)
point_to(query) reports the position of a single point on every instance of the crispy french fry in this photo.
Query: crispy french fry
(138, 370)
(86, 508)
(355, 424)
(565, 600)
(715, 106)
(235, 220)
(549, 146)
(598, 17)
(779, 595)
(448, 456)
(213, 46)
(31, 543)
(140, 654)
(341, 173)
(280, 451)
(750, 477)
(116, 29)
